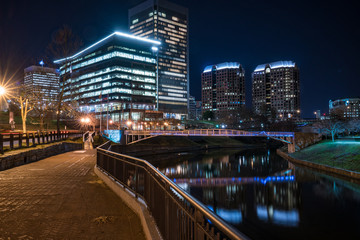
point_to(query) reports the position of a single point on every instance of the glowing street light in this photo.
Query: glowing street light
(85, 120)
(2, 91)
(128, 123)
(111, 121)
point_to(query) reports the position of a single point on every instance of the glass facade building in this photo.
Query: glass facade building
(115, 75)
(350, 107)
(223, 88)
(168, 23)
(276, 90)
(43, 80)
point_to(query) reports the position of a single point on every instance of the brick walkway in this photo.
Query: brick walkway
(61, 198)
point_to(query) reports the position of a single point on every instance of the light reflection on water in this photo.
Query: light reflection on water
(265, 196)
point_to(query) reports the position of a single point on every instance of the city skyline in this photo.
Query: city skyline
(319, 38)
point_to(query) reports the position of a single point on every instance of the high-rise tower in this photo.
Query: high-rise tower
(223, 89)
(168, 23)
(276, 90)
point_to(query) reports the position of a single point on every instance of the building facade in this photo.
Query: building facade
(192, 108)
(276, 90)
(198, 110)
(43, 82)
(350, 107)
(223, 88)
(115, 76)
(168, 23)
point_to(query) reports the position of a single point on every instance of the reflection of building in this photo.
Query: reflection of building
(167, 22)
(42, 81)
(223, 88)
(276, 90)
(350, 106)
(278, 203)
(117, 74)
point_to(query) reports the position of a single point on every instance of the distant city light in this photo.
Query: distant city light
(41, 63)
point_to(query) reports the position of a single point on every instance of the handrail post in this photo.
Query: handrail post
(1, 144)
(20, 140)
(11, 141)
(38, 137)
(136, 181)
(27, 139)
(167, 212)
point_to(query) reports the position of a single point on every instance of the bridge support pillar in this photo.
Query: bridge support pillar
(291, 146)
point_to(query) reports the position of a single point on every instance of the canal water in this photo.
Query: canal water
(264, 196)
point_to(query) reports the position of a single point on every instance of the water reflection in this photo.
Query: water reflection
(265, 196)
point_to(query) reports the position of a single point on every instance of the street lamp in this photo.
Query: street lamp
(128, 123)
(156, 50)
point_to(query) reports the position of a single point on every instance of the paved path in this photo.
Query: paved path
(61, 198)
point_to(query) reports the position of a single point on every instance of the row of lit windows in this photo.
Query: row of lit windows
(112, 55)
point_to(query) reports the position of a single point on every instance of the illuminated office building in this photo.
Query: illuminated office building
(350, 107)
(223, 88)
(42, 81)
(168, 23)
(116, 74)
(276, 90)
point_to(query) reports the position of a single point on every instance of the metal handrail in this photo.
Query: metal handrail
(225, 132)
(224, 227)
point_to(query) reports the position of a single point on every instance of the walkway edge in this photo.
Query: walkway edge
(317, 166)
(148, 223)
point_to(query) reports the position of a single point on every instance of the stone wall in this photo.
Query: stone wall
(320, 167)
(23, 156)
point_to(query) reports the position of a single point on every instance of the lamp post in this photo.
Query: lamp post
(155, 49)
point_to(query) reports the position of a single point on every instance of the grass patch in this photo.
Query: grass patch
(339, 154)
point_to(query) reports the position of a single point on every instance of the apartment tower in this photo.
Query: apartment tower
(223, 88)
(276, 90)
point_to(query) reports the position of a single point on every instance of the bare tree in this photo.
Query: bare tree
(26, 105)
(334, 124)
(64, 43)
(44, 105)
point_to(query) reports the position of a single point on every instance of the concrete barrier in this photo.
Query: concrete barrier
(23, 156)
(322, 167)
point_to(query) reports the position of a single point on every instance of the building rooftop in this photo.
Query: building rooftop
(102, 41)
(35, 68)
(273, 65)
(222, 66)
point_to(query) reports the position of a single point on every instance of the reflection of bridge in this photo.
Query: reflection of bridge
(287, 137)
(208, 182)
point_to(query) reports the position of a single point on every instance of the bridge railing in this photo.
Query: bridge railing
(177, 214)
(19, 140)
(211, 132)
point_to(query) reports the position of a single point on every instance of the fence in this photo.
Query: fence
(177, 214)
(33, 138)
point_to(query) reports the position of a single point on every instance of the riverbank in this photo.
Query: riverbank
(174, 144)
(340, 157)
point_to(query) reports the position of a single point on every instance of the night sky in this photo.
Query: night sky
(321, 37)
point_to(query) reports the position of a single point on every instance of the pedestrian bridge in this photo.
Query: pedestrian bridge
(133, 136)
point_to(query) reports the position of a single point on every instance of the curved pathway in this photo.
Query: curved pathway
(61, 198)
